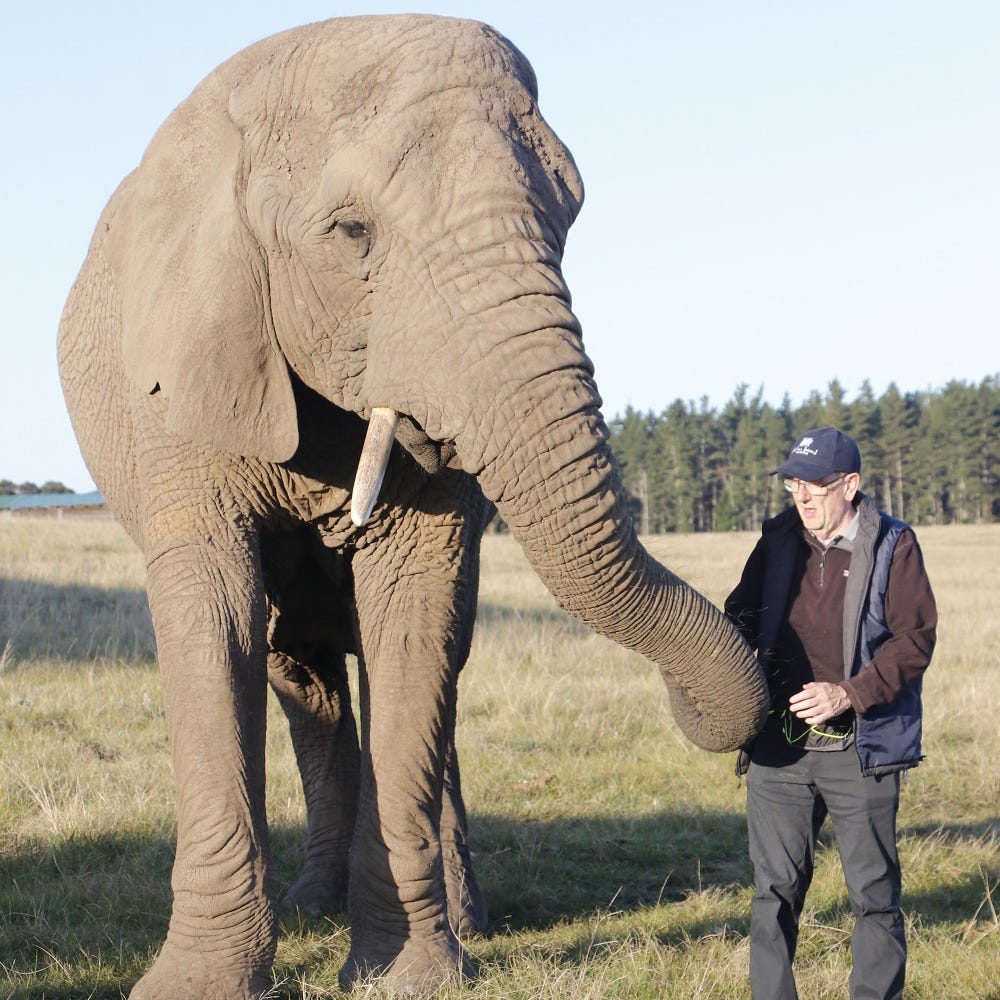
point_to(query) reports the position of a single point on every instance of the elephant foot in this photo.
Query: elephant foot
(182, 975)
(419, 967)
(315, 896)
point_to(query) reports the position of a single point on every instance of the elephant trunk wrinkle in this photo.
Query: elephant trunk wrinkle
(715, 683)
(561, 495)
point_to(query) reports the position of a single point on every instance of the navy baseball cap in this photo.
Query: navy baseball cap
(819, 454)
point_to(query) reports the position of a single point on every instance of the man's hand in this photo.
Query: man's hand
(819, 701)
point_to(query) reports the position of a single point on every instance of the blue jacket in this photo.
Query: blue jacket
(887, 736)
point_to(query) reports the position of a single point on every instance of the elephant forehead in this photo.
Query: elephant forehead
(373, 65)
(400, 58)
(427, 160)
(400, 108)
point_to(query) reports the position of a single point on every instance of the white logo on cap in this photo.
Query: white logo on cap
(802, 448)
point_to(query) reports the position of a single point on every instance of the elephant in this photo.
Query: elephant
(322, 332)
(312, 626)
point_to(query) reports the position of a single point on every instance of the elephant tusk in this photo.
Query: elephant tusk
(374, 459)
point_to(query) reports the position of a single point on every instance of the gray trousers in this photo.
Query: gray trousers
(789, 794)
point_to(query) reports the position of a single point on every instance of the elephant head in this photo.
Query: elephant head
(377, 208)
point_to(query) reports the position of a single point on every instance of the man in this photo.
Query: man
(836, 601)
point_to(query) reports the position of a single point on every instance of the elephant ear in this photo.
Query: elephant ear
(195, 309)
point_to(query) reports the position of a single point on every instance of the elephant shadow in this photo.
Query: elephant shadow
(539, 873)
(63, 900)
(60, 898)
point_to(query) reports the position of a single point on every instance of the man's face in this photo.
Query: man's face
(827, 514)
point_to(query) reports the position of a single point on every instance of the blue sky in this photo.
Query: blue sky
(778, 193)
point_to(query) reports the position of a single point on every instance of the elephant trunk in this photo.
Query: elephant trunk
(556, 485)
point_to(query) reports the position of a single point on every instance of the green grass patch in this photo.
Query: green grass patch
(612, 852)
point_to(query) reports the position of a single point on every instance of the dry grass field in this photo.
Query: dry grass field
(611, 850)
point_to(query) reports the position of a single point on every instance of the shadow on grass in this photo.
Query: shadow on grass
(949, 902)
(81, 917)
(84, 917)
(958, 900)
(40, 620)
(536, 874)
(954, 832)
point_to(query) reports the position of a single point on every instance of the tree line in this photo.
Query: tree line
(929, 457)
(8, 488)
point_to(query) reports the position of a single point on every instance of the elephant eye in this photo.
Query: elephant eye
(353, 229)
(354, 233)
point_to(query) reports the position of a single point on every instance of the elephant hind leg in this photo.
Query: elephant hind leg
(310, 681)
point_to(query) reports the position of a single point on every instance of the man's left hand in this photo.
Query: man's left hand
(819, 701)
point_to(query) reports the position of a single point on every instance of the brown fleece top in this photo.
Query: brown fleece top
(810, 646)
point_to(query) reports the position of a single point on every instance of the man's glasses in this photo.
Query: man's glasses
(813, 489)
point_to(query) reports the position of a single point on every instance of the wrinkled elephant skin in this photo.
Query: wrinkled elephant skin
(359, 219)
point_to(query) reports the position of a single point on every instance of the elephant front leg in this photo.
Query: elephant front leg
(397, 900)
(467, 908)
(310, 681)
(208, 615)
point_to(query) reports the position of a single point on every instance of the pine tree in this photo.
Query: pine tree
(928, 457)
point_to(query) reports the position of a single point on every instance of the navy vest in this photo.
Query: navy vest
(887, 738)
